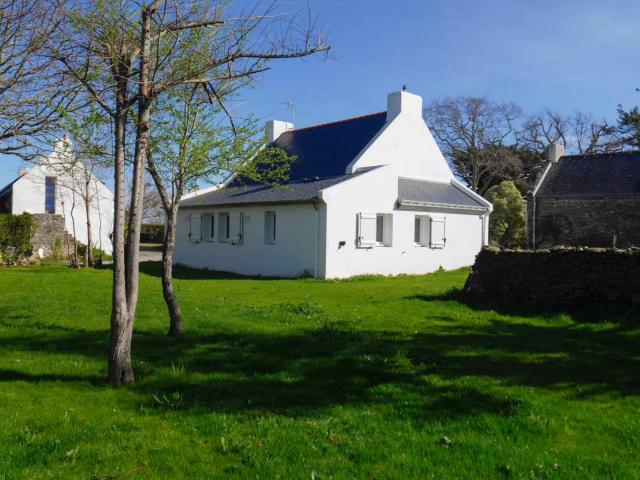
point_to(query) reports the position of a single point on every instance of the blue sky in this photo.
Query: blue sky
(565, 55)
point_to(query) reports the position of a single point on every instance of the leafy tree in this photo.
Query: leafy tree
(507, 222)
(127, 55)
(194, 140)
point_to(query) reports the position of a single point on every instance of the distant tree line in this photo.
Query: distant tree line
(487, 142)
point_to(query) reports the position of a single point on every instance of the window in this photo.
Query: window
(195, 228)
(223, 227)
(230, 227)
(211, 227)
(438, 232)
(235, 224)
(374, 230)
(270, 227)
(421, 230)
(379, 229)
(50, 195)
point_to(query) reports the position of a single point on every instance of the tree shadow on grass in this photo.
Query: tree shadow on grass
(583, 313)
(449, 372)
(182, 272)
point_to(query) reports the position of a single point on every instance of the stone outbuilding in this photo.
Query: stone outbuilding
(586, 200)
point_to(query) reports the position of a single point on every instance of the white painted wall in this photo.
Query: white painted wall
(28, 195)
(403, 148)
(405, 142)
(376, 192)
(293, 252)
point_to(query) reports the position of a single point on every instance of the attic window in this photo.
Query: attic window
(50, 195)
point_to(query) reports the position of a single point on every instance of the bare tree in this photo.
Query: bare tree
(32, 98)
(476, 135)
(126, 54)
(579, 132)
(77, 171)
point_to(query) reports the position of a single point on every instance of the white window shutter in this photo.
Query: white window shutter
(235, 228)
(388, 230)
(195, 232)
(366, 230)
(424, 231)
(438, 232)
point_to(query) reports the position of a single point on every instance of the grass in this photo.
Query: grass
(367, 378)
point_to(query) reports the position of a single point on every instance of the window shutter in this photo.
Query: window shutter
(366, 230)
(195, 232)
(438, 232)
(235, 228)
(424, 231)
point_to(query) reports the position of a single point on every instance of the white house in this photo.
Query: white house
(367, 195)
(56, 186)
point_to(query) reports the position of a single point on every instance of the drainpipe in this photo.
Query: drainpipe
(533, 224)
(484, 241)
(316, 207)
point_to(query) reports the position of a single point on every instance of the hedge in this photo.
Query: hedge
(16, 232)
(152, 233)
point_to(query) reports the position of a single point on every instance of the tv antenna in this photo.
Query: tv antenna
(291, 105)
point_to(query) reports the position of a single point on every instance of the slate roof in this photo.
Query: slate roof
(322, 153)
(610, 174)
(325, 151)
(292, 192)
(435, 194)
(7, 188)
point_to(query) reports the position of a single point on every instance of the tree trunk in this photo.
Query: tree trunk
(175, 315)
(74, 259)
(88, 256)
(120, 370)
(140, 157)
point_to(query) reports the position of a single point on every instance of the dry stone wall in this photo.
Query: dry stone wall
(48, 228)
(558, 277)
(585, 221)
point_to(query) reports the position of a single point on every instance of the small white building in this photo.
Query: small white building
(367, 195)
(56, 186)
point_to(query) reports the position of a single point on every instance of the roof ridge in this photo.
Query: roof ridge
(351, 119)
(602, 154)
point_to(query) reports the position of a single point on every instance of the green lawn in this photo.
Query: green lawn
(305, 379)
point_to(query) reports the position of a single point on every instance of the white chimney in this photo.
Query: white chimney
(22, 171)
(554, 152)
(403, 103)
(275, 128)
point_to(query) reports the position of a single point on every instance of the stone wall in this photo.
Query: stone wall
(588, 221)
(48, 228)
(559, 277)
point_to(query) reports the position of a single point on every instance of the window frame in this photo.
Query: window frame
(50, 182)
(387, 230)
(211, 227)
(270, 230)
(422, 227)
(224, 219)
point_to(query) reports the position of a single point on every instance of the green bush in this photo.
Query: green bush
(507, 221)
(97, 253)
(57, 249)
(152, 233)
(16, 232)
